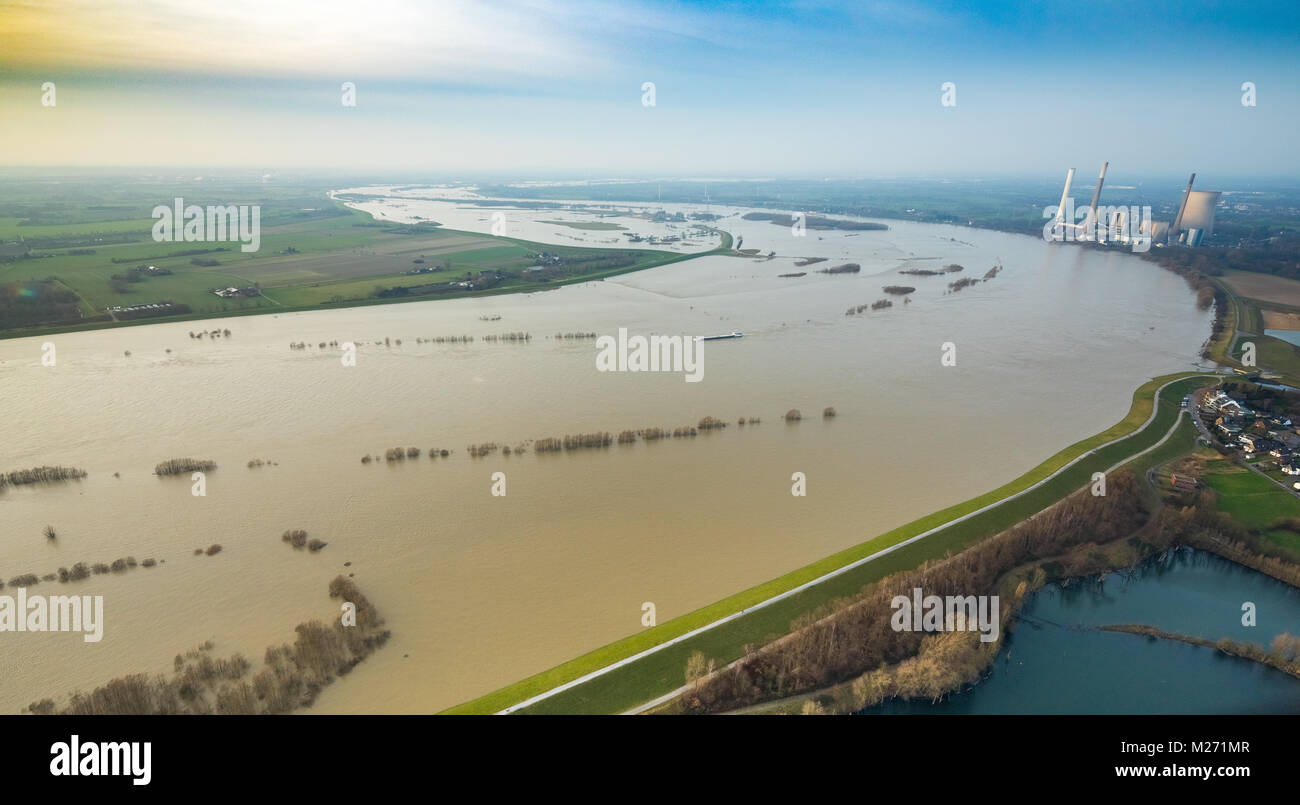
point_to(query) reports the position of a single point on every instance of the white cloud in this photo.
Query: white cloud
(451, 40)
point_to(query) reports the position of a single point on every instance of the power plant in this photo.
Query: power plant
(1194, 220)
(1198, 215)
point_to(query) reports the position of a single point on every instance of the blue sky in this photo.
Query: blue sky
(746, 89)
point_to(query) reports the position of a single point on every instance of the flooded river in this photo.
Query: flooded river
(481, 590)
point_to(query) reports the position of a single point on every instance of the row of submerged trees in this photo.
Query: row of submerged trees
(583, 441)
(38, 475)
(79, 571)
(179, 466)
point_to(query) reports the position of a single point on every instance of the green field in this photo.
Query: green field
(313, 252)
(664, 670)
(1272, 354)
(1253, 501)
(599, 226)
(1182, 442)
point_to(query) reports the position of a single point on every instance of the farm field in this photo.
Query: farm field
(312, 251)
(1253, 501)
(1264, 287)
(1260, 302)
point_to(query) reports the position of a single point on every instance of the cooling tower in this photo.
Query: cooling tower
(1158, 231)
(1199, 210)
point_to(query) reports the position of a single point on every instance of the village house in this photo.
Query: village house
(1257, 444)
(232, 293)
(1215, 399)
(1229, 425)
(1290, 439)
(1225, 405)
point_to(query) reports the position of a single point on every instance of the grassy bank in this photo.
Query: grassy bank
(664, 670)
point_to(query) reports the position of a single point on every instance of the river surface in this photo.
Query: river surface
(1053, 663)
(481, 590)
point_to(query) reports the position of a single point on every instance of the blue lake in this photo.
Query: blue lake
(1290, 336)
(1053, 663)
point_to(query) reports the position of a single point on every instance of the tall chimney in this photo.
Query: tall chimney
(1060, 209)
(1096, 194)
(1178, 220)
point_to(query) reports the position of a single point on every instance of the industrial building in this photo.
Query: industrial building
(1193, 222)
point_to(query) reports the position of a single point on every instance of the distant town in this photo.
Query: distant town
(1254, 423)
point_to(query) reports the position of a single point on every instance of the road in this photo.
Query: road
(1253, 468)
(767, 706)
(1155, 408)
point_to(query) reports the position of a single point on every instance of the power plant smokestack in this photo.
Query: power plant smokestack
(1060, 209)
(1096, 194)
(1178, 219)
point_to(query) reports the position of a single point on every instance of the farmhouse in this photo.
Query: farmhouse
(234, 293)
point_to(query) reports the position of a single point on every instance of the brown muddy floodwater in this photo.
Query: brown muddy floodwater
(480, 591)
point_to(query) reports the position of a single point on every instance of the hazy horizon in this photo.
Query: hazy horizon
(1085, 177)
